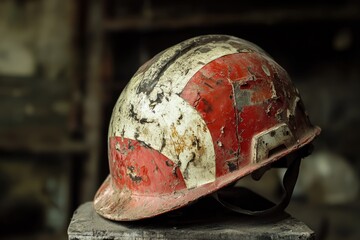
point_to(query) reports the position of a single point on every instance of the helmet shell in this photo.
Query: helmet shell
(193, 119)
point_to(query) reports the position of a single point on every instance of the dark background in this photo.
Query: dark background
(63, 64)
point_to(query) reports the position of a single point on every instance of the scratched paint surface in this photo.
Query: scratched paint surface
(141, 169)
(220, 93)
(151, 111)
(195, 118)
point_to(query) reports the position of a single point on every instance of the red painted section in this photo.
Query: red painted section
(142, 169)
(212, 92)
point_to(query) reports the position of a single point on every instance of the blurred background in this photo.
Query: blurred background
(63, 63)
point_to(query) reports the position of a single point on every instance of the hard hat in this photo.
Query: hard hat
(195, 118)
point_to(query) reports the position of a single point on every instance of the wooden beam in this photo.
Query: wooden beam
(265, 16)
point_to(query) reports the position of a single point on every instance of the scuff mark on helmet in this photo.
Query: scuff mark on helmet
(232, 166)
(242, 96)
(186, 169)
(163, 143)
(133, 176)
(155, 69)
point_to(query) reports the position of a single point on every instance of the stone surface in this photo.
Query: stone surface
(204, 219)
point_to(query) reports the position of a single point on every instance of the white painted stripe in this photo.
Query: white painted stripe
(171, 125)
(191, 62)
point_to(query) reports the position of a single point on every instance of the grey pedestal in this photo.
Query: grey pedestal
(203, 220)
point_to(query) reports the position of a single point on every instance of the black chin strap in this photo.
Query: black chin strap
(288, 184)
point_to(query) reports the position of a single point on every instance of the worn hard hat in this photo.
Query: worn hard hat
(195, 118)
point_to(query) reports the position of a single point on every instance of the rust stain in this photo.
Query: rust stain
(180, 145)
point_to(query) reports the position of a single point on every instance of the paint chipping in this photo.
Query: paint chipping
(186, 170)
(237, 118)
(268, 109)
(144, 110)
(279, 114)
(133, 176)
(266, 70)
(207, 106)
(232, 166)
(163, 144)
(204, 49)
(207, 84)
(134, 115)
(242, 96)
(117, 146)
(294, 105)
(145, 120)
(198, 98)
(174, 170)
(179, 119)
(288, 113)
(169, 163)
(130, 146)
(196, 143)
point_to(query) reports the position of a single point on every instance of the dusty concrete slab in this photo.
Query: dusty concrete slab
(203, 220)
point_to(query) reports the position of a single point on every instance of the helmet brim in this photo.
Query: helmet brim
(124, 205)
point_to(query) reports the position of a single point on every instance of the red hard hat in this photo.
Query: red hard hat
(195, 118)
